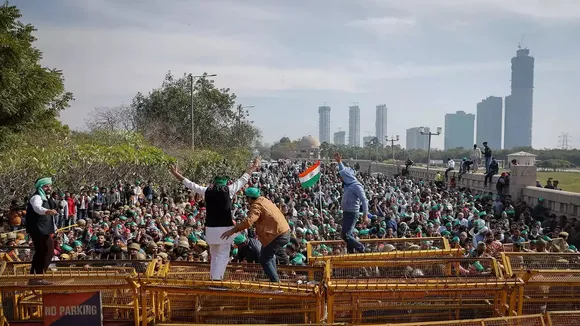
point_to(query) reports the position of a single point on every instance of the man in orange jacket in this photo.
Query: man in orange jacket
(271, 227)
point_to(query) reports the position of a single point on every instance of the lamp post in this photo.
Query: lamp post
(192, 89)
(429, 134)
(392, 141)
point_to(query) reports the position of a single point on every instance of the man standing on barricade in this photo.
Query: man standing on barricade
(272, 229)
(353, 198)
(218, 201)
(40, 225)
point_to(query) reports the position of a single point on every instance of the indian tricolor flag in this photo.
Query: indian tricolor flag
(311, 176)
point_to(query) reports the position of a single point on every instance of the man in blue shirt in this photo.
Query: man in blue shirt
(352, 199)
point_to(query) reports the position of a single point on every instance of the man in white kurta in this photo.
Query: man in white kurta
(218, 199)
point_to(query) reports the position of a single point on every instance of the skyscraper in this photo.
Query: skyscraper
(519, 106)
(415, 140)
(324, 124)
(354, 126)
(489, 119)
(381, 123)
(459, 130)
(340, 138)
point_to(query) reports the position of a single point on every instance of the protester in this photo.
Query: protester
(40, 225)
(272, 230)
(218, 201)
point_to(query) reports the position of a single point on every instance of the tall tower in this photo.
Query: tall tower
(519, 105)
(354, 126)
(489, 122)
(381, 123)
(324, 124)
(459, 130)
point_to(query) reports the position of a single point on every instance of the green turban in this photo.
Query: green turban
(253, 192)
(40, 183)
(478, 266)
(239, 239)
(220, 180)
(66, 248)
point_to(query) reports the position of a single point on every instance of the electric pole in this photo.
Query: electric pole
(564, 141)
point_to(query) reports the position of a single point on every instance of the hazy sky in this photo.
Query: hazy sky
(422, 58)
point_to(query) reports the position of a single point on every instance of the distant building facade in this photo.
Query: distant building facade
(324, 124)
(489, 122)
(308, 148)
(340, 138)
(415, 140)
(354, 126)
(519, 105)
(381, 123)
(459, 130)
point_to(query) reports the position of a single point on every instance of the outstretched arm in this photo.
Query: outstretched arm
(200, 190)
(241, 182)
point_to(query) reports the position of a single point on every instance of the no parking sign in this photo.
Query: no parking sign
(72, 309)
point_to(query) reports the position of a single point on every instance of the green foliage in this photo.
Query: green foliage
(164, 115)
(30, 95)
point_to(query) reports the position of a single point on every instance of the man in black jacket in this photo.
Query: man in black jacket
(41, 227)
(218, 202)
(487, 156)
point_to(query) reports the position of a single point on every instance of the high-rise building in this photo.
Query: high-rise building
(354, 126)
(489, 120)
(417, 141)
(381, 123)
(324, 124)
(459, 130)
(519, 105)
(340, 138)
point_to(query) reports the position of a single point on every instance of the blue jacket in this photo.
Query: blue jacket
(354, 194)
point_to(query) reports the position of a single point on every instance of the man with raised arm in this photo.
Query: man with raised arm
(218, 200)
(352, 199)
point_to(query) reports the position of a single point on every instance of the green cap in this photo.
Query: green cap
(478, 266)
(455, 240)
(77, 243)
(239, 239)
(253, 192)
(66, 248)
(363, 232)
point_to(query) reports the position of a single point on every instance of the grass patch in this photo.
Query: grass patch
(569, 181)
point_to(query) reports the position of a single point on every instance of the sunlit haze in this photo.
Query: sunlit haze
(421, 58)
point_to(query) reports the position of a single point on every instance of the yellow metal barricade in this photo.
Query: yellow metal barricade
(186, 294)
(118, 287)
(375, 246)
(552, 280)
(417, 290)
(563, 318)
(531, 320)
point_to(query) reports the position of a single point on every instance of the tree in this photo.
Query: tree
(164, 115)
(30, 94)
(112, 119)
(555, 165)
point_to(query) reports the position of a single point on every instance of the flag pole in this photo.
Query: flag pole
(320, 189)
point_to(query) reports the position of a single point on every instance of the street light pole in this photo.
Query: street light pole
(192, 90)
(429, 134)
(392, 141)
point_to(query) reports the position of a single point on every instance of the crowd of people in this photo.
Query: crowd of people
(140, 221)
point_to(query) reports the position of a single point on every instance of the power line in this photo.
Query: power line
(564, 141)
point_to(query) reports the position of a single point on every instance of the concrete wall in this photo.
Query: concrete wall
(522, 185)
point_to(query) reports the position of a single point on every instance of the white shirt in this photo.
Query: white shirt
(451, 164)
(476, 153)
(234, 187)
(36, 203)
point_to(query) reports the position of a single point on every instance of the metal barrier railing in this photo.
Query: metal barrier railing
(418, 290)
(415, 290)
(324, 250)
